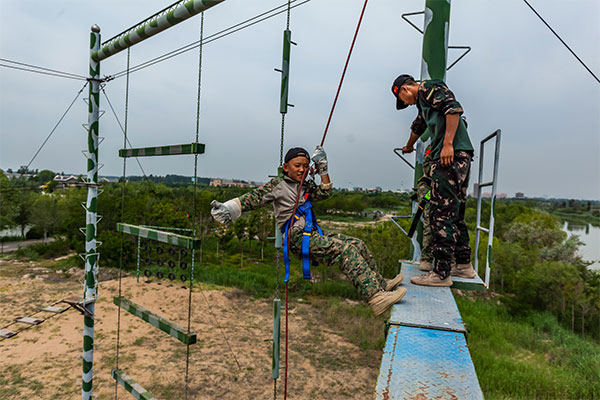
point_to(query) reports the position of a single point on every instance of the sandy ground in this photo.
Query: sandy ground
(44, 362)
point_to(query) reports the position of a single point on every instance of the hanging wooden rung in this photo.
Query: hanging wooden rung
(29, 320)
(54, 309)
(6, 334)
(161, 236)
(172, 150)
(177, 331)
(130, 385)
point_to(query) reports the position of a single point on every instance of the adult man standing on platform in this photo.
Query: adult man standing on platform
(451, 155)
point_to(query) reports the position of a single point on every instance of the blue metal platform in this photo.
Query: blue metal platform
(426, 354)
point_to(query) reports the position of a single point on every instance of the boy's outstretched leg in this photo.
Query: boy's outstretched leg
(387, 284)
(332, 249)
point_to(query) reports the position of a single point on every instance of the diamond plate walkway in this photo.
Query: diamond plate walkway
(426, 354)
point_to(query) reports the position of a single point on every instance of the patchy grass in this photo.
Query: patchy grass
(528, 357)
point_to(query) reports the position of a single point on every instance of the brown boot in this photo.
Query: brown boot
(391, 284)
(380, 302)
(425, 265)
(431, 279)
(463, 270)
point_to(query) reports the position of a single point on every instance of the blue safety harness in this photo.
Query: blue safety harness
(310, 221)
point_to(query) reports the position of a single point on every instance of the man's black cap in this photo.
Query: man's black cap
(396, 88)
(296, 152)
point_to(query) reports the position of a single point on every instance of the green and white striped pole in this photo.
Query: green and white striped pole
(91, 218)
(157, 23)
(433, 66)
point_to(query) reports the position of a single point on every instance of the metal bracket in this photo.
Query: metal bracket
(402, 157)
(410, 22)
(467, 48)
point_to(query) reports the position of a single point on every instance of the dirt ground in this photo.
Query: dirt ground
(44, 362)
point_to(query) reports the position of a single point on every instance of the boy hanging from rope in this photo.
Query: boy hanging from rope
(306, 239)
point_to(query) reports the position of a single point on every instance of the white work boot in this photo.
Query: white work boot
(391, 284)
(431, 279)
(463, 270)
(380, 302)
(425, 265)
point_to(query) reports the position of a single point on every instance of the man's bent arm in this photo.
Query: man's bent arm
(411, 142)
(447, 153)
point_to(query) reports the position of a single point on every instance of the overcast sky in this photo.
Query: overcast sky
(518, 78)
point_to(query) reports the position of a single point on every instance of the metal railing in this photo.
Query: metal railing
(493, 184)
(416, 247)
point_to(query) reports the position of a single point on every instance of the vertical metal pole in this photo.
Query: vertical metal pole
(492, 210)
(276, 331)
(137, 274)
(433, 66)
(478, 220)
(285, 71)
(91, 257)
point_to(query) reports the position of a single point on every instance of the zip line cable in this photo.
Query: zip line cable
(211, 38)
(40, 72)
(123, 130)
(362, 13)
(561, 40)
(193, 221)
(122, 219)
(67, 74)
(55, 126)
(193, 216)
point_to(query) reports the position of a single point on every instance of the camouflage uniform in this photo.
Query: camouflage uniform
(423, 187)
(449, 184)
(448, 198)
(352, 255)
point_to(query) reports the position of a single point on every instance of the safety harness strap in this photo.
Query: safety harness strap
(310, 221)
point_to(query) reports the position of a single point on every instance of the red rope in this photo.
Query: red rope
(362, 13)
(344, 72)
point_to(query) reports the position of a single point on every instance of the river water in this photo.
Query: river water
(590, 236)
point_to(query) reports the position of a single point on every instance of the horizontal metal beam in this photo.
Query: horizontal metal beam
(130, 385)
(157, 23)
(160, 236)
(177, 331)
(172, 150)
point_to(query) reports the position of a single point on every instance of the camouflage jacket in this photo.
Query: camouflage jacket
(282, 191)
(434, 101)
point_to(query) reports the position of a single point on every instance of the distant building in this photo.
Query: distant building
(501, 195)
(63, 181)
(519, 195)
(218, 182)
(358, 189)
(15, 175)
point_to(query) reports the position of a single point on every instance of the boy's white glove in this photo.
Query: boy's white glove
(226, 212)
(319, 157)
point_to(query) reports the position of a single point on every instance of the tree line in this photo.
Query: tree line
(535, 264)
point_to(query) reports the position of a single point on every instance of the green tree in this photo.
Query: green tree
(45, 214)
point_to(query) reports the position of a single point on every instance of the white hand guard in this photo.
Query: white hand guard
(226, 212)
(319, 157)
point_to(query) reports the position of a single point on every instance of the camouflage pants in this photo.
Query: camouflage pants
(423, 188)
(448, 196)
(351, 254)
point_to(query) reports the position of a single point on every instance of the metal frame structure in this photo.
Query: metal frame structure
(435, 30)
(415, 249)
(151, 26)
(493, 184)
